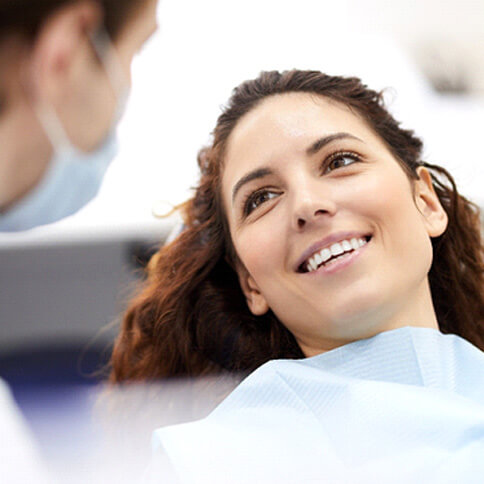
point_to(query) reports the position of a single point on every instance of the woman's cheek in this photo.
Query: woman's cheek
(259, 248)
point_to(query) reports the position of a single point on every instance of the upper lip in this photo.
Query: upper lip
(327, 242)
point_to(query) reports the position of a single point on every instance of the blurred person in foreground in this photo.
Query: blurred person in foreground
(326, 260)
(64, 80)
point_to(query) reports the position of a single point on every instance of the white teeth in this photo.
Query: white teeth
(325, 254)
(333, 252)
(346, 245)
(336, 249)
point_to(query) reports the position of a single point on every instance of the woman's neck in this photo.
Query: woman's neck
(415, 309)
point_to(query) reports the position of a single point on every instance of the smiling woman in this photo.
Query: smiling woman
(345, 189)
(315, 223)
(318, 236)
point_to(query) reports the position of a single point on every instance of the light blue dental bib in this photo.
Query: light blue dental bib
(405, 406)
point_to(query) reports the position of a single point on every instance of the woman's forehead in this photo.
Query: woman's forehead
(289, 123)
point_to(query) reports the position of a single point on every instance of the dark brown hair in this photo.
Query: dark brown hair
(191, 317)
(26, 16)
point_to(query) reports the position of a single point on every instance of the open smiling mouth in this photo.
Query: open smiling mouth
(329, 255)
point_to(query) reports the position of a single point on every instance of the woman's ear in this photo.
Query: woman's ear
(428, 204)
(255, 300)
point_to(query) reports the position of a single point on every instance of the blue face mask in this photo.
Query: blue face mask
(73, 177)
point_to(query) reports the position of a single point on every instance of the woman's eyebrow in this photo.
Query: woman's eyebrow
(317, 145)
(313, 149)
(252, 175)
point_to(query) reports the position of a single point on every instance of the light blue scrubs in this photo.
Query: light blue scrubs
(406, 406)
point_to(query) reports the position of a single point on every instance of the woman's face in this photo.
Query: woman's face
(330, 233)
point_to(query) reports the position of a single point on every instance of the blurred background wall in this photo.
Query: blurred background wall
(444, 38)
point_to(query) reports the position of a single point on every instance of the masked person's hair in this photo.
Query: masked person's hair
(191, 318)
(23, 19)
(26, 16)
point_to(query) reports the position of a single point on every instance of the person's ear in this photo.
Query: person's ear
(428, 204)
(59, 45)
(255, 300)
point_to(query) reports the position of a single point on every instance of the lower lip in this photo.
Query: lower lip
(341, 263)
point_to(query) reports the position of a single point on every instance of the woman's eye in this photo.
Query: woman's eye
(256, 199)
(340, 160)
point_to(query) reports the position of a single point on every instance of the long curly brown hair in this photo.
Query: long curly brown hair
(191, 318)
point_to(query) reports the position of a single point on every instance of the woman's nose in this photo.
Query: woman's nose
(312, 206)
